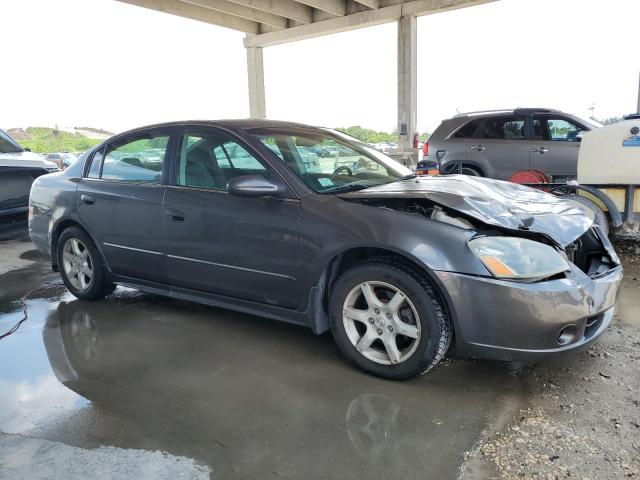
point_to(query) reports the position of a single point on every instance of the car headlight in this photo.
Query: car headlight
(518, 258)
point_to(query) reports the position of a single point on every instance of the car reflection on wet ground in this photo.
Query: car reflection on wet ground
(245, 396)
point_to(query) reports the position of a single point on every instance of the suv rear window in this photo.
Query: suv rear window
(468, 130)
(503, 128)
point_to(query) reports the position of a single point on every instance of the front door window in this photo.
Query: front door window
(211, 160)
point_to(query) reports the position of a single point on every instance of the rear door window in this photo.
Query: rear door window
(139, 160)
(503, 128)
(555, 129)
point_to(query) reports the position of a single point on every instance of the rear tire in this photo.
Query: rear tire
(600, 217)
(388, 320)
(472, 172)
(81, 266)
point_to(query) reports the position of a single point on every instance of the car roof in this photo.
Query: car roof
(236, 124)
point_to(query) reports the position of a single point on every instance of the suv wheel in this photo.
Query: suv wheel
(472, 172)
(81, 265)
(387, 319)
(455, 167)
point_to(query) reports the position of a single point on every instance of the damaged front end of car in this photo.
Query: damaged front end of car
(552, 276)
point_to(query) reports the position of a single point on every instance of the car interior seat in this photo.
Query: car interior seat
(202, 170)
(133, 161)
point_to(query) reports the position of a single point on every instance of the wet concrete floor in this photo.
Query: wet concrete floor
(247, 397)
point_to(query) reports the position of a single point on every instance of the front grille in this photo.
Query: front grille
(589, 254)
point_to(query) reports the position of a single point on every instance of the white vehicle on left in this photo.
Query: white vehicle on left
(18, 169)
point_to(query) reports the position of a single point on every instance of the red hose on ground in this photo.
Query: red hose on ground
(25, 314)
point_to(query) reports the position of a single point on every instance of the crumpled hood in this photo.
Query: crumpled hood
(494, 202)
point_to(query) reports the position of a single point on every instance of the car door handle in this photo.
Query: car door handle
(175, 215)
(477, 148)
(540, 150)
(88, 199)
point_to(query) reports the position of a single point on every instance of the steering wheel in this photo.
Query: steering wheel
(341, 168)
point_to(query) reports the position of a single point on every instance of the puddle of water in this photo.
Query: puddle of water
(249, 397)
(30, 393)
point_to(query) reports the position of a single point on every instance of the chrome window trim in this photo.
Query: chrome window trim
(139, 183)
(225, 192)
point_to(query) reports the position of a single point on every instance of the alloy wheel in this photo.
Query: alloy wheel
(77, 264)
(381, 322)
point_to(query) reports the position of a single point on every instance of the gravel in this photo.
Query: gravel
(582, 417)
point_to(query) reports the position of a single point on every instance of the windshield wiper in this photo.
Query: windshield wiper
(353, 187)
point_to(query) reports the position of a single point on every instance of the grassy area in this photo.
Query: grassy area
(46, 140)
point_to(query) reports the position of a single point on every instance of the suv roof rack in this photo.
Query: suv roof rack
(520, 111)
(526, 111)
(482, 112)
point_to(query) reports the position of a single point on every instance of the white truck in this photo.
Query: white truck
(18, 168)
(609, 172)
(608, 176)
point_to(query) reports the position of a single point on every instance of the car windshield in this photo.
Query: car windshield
(330, 162)
(7, 145)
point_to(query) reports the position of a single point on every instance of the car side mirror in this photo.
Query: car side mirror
(254, 186)
(579, 135)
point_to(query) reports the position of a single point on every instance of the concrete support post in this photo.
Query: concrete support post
(255, 71)
(638, 106)
(407, 81)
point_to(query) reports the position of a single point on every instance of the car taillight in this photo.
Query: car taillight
(425, 149)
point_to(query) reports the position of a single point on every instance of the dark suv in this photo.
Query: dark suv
(498, 143)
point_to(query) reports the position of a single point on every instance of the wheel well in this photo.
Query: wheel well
(343, 261)
(454, 165)
(55, 234)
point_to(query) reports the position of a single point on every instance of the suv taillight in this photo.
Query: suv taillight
(425, 149)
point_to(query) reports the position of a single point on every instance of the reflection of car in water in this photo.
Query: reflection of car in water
(170, 376)
(372, 423)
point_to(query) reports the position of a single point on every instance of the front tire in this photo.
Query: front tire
(388, 320)
(81, 265)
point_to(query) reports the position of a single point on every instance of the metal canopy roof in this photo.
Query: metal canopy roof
(271, 22)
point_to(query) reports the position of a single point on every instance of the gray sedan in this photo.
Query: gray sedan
(398, 268)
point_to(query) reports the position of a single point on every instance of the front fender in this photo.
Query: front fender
(435, 245)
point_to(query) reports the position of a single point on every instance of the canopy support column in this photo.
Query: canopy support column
(638, 107)
(407, 81)
(255, 72)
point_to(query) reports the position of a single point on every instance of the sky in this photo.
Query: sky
(106, 64)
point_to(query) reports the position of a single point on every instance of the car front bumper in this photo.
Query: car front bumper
(516, 321)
